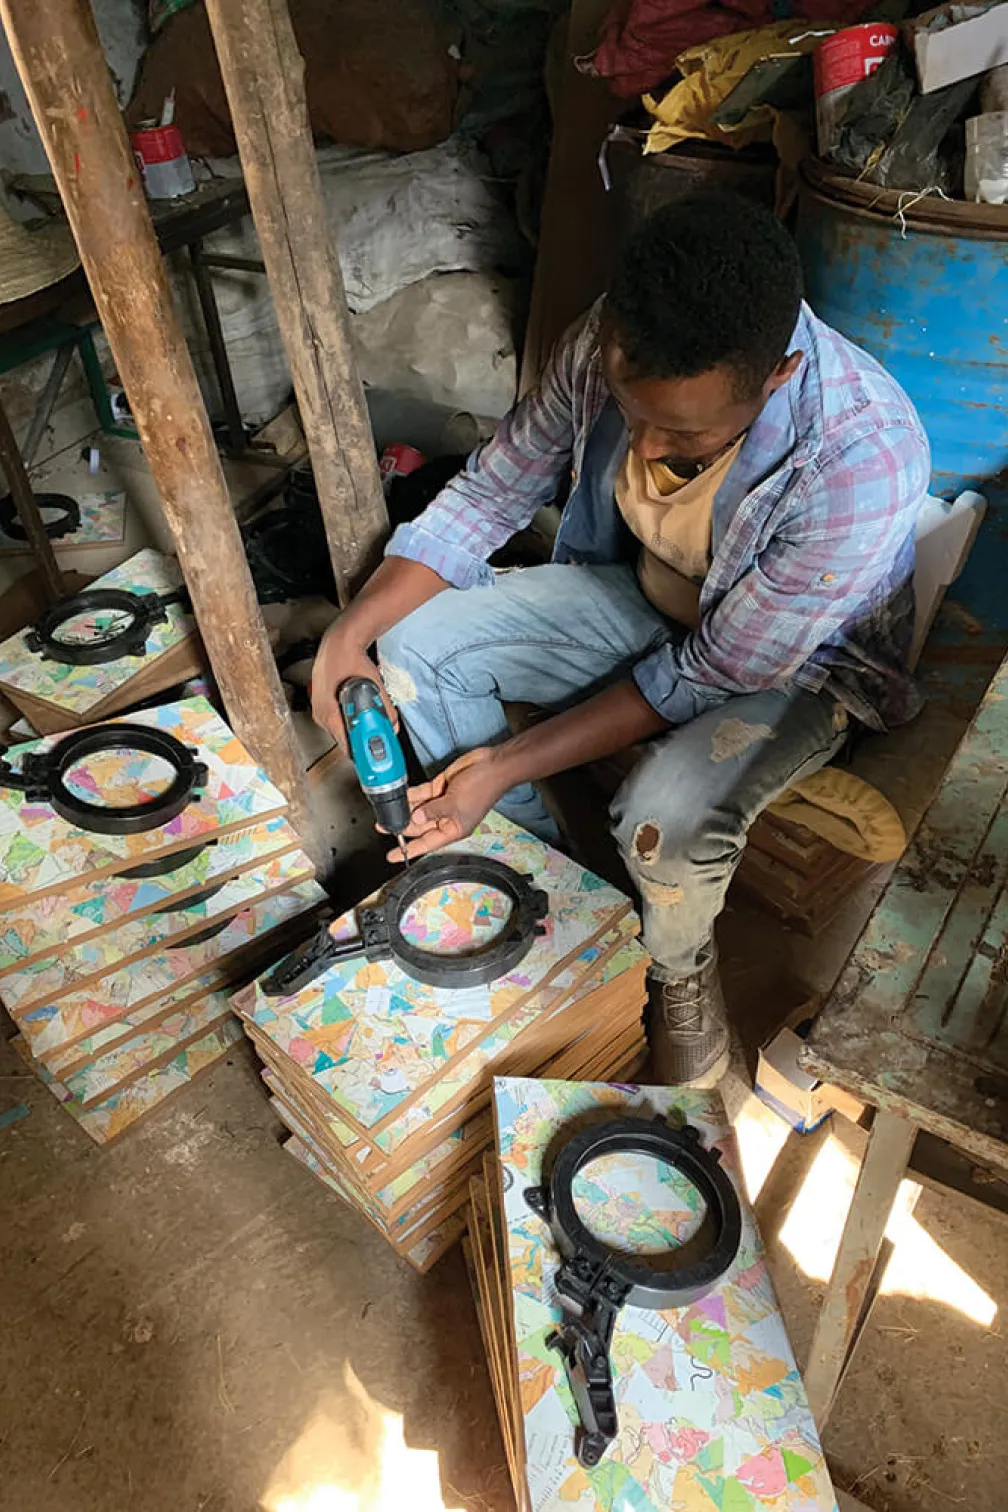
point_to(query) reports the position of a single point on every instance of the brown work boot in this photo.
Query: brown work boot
(687, 1029)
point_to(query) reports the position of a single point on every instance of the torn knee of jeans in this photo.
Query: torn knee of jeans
(399, 684)
(733, 737)
(646, 842)
(661, 894)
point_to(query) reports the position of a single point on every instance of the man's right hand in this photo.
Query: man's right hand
(339, 657)
(396, 589)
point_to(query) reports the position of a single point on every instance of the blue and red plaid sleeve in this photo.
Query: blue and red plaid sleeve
(505, 481)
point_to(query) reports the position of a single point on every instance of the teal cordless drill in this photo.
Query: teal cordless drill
(376, 754)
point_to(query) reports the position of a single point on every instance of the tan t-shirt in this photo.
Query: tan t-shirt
(672, 520)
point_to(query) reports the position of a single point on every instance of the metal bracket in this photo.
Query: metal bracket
(42, 778)
(380, 936)
(142, 612)
(594, 1281)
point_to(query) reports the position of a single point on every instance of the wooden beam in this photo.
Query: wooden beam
(843, 1310)
(263, 74)
(65, 75)
(28, 512)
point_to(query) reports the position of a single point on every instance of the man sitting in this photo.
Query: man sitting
(731, 583)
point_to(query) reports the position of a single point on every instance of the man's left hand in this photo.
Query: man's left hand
(449, 807)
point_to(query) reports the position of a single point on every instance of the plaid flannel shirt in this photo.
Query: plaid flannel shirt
(810, 582)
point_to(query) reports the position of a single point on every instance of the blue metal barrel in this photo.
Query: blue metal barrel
(932, 306)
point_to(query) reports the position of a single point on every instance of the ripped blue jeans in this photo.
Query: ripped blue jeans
(553, 635)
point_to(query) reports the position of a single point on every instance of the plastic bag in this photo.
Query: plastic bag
(892, 136)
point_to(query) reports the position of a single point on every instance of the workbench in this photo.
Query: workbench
(916, 1024)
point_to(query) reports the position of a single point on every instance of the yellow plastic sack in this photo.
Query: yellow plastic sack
(712, 71)
(846, 811)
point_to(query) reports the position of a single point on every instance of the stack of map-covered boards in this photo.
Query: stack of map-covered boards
(117, 953)
(385, 1083)
(56, 696)
(711, 1408)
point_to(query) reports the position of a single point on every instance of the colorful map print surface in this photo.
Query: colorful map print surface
(424, 1252)
(102, 519)
(47, 978)
(119, 1112)
(80, 688)
(371, 1037)
(126, 1061)
(78, 1014)
(41, 853)
(712, 1410)
(61, 919)
(597, 965)
(61, 1063)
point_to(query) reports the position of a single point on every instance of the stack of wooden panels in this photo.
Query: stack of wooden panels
(711, 1408)
(117, 953)
(56, 696)
(385, 1083)
(798, 875)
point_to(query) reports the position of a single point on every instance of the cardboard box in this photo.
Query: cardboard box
(795, 1094)
(956, 42)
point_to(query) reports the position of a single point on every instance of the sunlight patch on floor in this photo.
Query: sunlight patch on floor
(352, 1457)
(919, 1267)
(761, 1135)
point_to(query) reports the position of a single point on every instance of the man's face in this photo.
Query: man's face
(686, 420)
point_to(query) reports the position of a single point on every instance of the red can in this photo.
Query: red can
(163, 161)
(397, 460)
(840, 62)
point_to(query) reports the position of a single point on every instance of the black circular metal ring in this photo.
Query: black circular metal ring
(478, 967)
(210, 933)
(163, 866)
(43, 778)
(144, 610)
(194, 900)
(651, 1285)
(68, 521)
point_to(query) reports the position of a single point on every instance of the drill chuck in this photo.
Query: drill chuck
(392, 809)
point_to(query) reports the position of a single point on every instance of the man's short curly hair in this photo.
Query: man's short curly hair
(709, 281)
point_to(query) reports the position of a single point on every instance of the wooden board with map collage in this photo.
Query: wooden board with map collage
(57, 695)
(711, 1408)
(384, 1082)
(118, 952)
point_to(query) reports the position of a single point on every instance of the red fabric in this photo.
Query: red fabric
(641, 39)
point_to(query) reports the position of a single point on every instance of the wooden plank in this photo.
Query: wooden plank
(876, 1037)
(28, 512)
(59, 57)
(835, 1336)
(263, 73)
(167, 671)
(576, 234)
(52, 925)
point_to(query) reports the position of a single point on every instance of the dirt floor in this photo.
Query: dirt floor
(190, 1323)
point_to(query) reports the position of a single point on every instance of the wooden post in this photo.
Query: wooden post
(889, 1147)
(63, 68)
(263, 74)
(26, 505)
